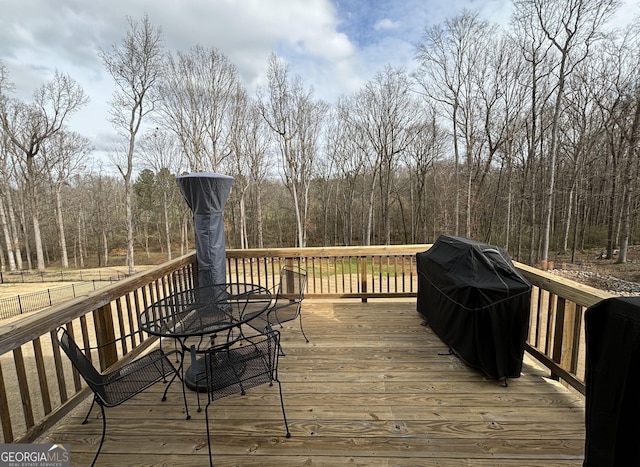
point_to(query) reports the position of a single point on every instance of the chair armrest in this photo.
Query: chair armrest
(112, 342)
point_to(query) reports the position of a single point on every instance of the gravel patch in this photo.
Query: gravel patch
(608, 283)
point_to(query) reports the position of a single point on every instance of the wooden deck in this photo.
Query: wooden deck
(373, 387)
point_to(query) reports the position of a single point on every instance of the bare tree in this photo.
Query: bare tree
(421, 156)
(448, 57)
(6, 162)
(501, 101)
(570, 27)
(347, 151)
(582, 139)
(64, 154)
(534, 51)
(6, 207)
(249, 162)
(161, 152)
(629, 123)
(296, 118)
(197, 96)
(30, 126)
(100, 215)
(389, 118)
(136, 65)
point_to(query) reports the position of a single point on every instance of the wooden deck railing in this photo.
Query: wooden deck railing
(340, 272)
(556, 326)
(38, 386)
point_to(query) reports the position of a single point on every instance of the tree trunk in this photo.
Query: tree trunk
(611, 243)
(259, 216)
(244, 244)
(167, 226)
(469, 189)
(13, 225)
(369, 225)
(507, 227)
(297, 210)
(80, 241)
(61, 235)
(105, 246)
(567, 220)
(553, 154)
(7, 237)
(576, 225)
(129, 211)
(25, 234)
(629, 180)
(456, 168)
(33, 205)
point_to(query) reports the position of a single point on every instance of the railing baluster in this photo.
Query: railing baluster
(132, 299)
(23, 385)
(558, 331)
(57, 360)
(121, 321)
(76, 376)
(42, 376)
(5, 415)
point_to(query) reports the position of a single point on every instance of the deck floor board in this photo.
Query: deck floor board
(373, 387)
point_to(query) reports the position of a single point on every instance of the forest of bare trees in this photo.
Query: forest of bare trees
(527, 137)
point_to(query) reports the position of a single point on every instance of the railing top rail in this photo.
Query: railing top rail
(375, 250)
(578, 293)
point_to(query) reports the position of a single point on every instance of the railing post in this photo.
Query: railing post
(363, 278)
(105, 333)
(289, 281)
(558, 333)
(569, 346)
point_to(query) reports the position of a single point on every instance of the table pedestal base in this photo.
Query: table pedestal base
(195, 378)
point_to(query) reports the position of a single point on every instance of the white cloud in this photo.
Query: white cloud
(385, 24)
(334, 45)
(67, 35)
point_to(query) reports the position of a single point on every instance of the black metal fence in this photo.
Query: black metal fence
(34, 301)
(76, 275)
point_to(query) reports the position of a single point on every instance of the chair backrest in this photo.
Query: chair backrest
(293, 281)
(234, 370)
(79, 360)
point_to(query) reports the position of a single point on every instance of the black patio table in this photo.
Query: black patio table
(204, 312)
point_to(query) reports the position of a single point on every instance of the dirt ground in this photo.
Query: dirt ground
(12, 289)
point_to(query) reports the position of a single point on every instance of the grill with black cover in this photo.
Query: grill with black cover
(477, 302)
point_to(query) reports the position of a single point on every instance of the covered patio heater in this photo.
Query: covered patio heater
(206, 194)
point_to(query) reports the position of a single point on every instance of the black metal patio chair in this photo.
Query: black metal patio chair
(250, 362)
(121, 384)
(287, 303)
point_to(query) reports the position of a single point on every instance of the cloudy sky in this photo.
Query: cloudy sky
(334, 45)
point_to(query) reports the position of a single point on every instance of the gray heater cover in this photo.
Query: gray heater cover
(206, 194)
